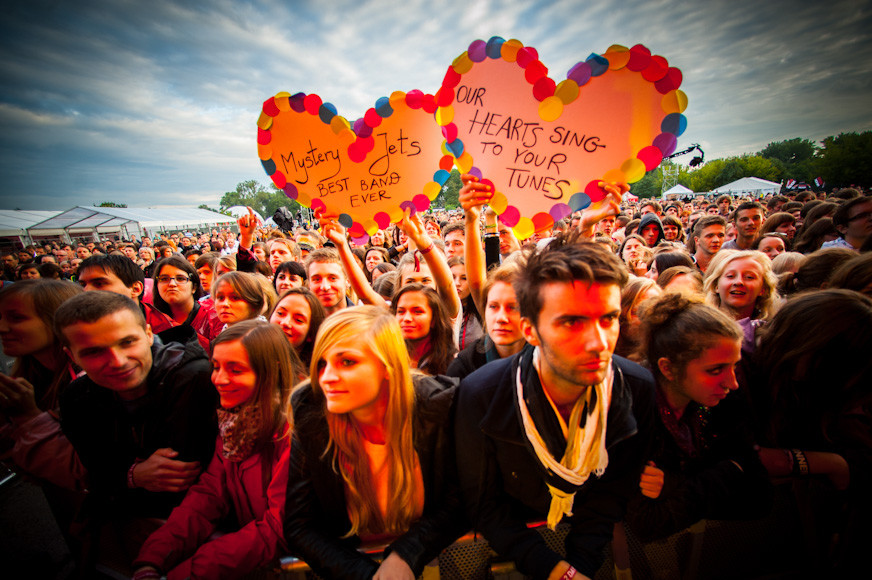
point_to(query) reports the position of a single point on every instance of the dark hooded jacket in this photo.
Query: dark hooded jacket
(648, 219)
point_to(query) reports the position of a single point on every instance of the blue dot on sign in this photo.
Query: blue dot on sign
(579, 201)
(345, 220)
(327, 112)
(383, 107)
(268, 165)
(598, 64)
(495, 46)
(439, 177)
(456, 147)
(674, 123)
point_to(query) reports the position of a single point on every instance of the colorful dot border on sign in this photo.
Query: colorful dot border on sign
(553, 97)
(357, 137)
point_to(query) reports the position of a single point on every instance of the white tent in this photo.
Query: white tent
(750, 186)
(14, 222)
(677, 190)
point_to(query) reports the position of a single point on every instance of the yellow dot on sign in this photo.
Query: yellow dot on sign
(444, 115)
(339, 124)
(499, 202)
(551, 108)
(370, 227)
(464, 162)
(264, 152)
(634, 169)
(445, 150)
(431, 190)
(281, 94)
(614, 176)
(282, 102)
(567, 91)
(264, 121)
(397, 97)
(462, 64)
(509, 50)
(304, 198)
(617, 59)
(524, 228)
(617, 48)
(395, 214)
(674, 102)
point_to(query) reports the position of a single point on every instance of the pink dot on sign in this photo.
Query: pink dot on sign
(451, 80)
(477, 51)
(363, 131)
(490, 185)
(263, 137)
(651, 156)
(297, 102)
(414, 99)
(318, 205)
(382, 220)
(476, 172)
(656, 70)
(640, 58)
(560, 211)
(362, 240)
(543, 88)
(449, 131)
(312, 104)
(279, 179)
(408, 205)
(580, 73)
(444, 97)
(525, 57)
(511, 216)
(670, 81)
(594, 191)
(290, 190)
(421, 201)
(542, 221)
(270, 107)
(429, 104)
(535, 71)
(666, 142)
(356, 152)
(372, 118)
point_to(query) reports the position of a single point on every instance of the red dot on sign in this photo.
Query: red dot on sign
(594, 191)
(421, 201)
(450, 132)
(651, 156)
(543, 88)
(429, 104)
(356, 152)
(279, 179)
(372, 119)
(640, 58)
(535, 71)
(451, 80)
(525, 56)
(312, 104)
(367, 144)
(511, 216)
(414, 99)
(356, 230)
(263, 137)
(270, 108)
(656, 70)
(444, 97)
(318, 205)
(382, 220)
(490, 185)
(670, 82)
(542, 221)
(446, 163)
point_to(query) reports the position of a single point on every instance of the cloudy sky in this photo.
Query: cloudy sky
(154, 103)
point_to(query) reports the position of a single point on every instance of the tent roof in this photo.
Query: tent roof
(749, 185)
(14, 222)
(82, 217)
(679, 189)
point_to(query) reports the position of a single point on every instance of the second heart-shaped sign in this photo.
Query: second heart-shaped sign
(544, 145)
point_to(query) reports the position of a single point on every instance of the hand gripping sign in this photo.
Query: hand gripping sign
(544, 145)
(367, 172)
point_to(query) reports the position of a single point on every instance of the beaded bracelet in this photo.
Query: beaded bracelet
(131, 482)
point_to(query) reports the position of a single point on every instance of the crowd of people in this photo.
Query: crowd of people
(199, 405)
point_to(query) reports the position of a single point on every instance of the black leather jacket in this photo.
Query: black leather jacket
(316, 516)
(504, 485)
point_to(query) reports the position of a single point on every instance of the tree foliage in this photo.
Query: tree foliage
(846, 160)
(449, 197)
(110, 204)
(796, 157)
(263, 199)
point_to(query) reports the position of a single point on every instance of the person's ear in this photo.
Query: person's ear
(665, 366)
(136, 290)
(529, 331)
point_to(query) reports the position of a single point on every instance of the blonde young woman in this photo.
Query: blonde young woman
(741, 283)
(371, 458)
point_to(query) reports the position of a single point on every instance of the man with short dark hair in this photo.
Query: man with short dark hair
(454, 235)
(709, 233)
(142, 418)
(853, 220)
(747, 219)
(558, 432)
(327, 279)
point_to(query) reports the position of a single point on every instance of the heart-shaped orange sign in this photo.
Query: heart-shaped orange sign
(368, 173)
(545, 146)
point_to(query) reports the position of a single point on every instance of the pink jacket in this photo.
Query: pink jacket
(181, 548)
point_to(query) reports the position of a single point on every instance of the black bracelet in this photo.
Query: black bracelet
(800, 463)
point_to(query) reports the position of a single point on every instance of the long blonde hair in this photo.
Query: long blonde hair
(768, 301)
(375, 328)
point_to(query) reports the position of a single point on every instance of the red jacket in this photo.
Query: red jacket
(182, 548)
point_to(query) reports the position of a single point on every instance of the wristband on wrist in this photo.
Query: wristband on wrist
(800, 463)
(428, 249)
(131, 481)
(569, 574)
(791, 464)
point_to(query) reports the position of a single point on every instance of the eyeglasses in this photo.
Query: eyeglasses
(861, 216)
(180, 280)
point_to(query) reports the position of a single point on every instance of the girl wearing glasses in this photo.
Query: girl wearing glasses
(177, 290)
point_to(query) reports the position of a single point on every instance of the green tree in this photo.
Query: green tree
(449, 197)
(718, 172)
(263, 199)
(846, 160)
(110, 204)
(796, 156)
